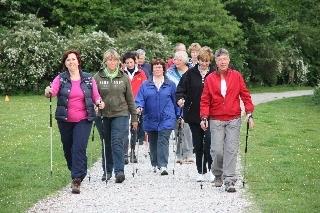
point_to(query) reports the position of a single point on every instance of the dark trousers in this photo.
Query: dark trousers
(115, 131)
(74, 138)
(201, 149)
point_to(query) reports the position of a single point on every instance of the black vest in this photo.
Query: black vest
(64, 91)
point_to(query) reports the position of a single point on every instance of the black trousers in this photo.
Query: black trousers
(201, 149)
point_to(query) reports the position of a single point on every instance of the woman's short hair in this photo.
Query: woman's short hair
(157, 61)
(182, 55)
(220, 52)
(128, 55)
(194, 47)
(111, 53)
(65, 56)
(205, 54)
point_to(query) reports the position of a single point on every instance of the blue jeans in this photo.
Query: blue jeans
(74, 138)
(159, 147)
(114, 133)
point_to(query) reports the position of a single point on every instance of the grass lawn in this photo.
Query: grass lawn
(25, 153)
(280, 88)
(283, 159)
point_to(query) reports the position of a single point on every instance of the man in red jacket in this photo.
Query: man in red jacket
(220, 104)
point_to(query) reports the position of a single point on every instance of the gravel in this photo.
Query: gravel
(150, 192)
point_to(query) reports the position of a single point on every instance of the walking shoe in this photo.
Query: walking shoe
(154, 169)
(189, 160)
(230, 187)
(163, 171)
(134, 160)
(179, 161)
(218, 181)
(75, 186)
(109, 175)
(126, 161)
(199, 177)
(210, 177)
(120, 177)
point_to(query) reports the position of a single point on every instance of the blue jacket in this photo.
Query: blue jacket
(160, 110)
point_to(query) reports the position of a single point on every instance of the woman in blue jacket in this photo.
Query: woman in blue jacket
(156, 98)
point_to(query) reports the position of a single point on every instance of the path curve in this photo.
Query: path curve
(150, 192)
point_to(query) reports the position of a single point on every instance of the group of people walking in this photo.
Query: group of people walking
(200, 101)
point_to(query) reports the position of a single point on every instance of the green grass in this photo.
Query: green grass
(25, 153)
(280, 88)
(283, 159)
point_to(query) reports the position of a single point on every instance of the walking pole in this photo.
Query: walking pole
(50, 126)
(245, 154)
(202, 161)
(137, 141)
(132, 144)
(90, 152)
(104, 146)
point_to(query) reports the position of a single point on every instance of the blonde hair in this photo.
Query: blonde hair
(194, 47)
(111, 53)
(205, 54)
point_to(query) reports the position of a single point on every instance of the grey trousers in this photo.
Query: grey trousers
(225, 139)
(185, 149)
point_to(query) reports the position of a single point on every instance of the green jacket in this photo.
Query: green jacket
(117, 95)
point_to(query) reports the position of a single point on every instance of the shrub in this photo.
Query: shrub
(155, 44)
(29, 52)
(92, 46)
(316, 94)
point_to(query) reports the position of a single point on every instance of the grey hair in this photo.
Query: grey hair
(111, 53)
(183, 55)
(180, 46)
(140, 52)
(220, 52)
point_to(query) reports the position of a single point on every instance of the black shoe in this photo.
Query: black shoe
(109, 175)
(134, 160)
(120, 177)
(126, 161)
(163, 171)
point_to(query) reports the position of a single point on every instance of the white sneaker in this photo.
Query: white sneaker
(154, 169)
(199, 177)
(210, 177)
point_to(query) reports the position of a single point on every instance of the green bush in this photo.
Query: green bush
(29, 52)
(155, 44)
(92, 46)
(316, 95)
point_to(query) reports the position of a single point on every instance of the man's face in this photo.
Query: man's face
(222, 62)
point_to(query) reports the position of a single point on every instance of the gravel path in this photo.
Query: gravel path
(150, 192)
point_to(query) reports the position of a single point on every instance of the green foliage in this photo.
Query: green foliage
(316, 95)
(155, 44)
(283, 156)
(25, 153)
(92, 46)
(29, 52)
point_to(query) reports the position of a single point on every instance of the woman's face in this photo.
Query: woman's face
(72, 62)
(112, 63)
(203, 65)
(157, 70)
(222, 62)
(130, 63)
(194, 54)
(178, 62)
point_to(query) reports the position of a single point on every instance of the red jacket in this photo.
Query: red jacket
(137, 80)
(213, 105)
